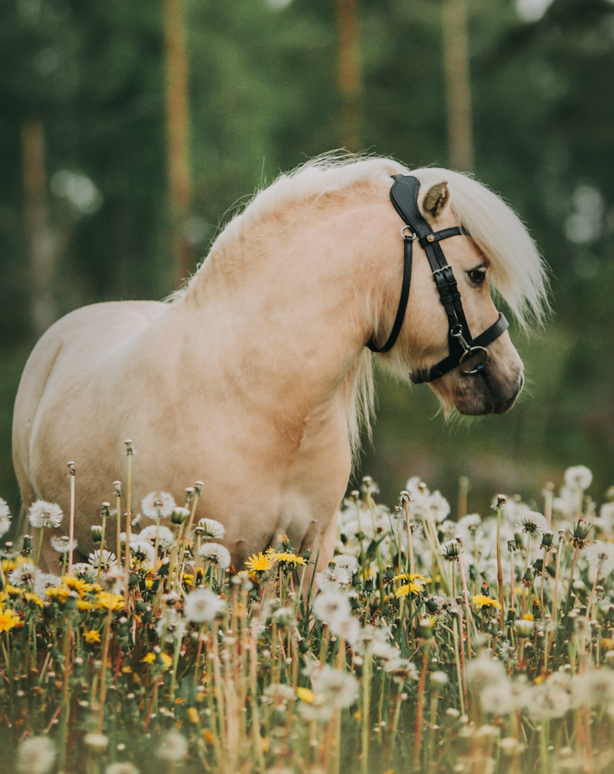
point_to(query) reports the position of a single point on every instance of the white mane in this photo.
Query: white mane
(517, 272)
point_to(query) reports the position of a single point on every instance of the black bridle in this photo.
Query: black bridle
(462, 346)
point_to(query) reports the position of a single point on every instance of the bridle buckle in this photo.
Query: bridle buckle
(469, 351)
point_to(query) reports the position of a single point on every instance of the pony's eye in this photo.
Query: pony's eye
(477, 276)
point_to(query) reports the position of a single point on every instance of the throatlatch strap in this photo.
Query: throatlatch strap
(398, 322)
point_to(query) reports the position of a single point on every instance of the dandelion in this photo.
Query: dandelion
(85, 571)
(216, 554)
(63, 544)
(451, 551)
(532, 523)
(578, 477)
(91, 636)
(593, 688)
(171, 625)
(5, 517)
(98, 741)
(347, 562)
(439, 506)
(481, 601)
(498, 699)
(278, 695)
(43, 514)
(173, 746)
(166, 539)
(287, 559)
(203, 605)
(258, 565)
(484, 671)
(601, 556)
(108, 601)
(121, 768)
(547, 701)
(158, 505)
(143, 555)
(24, 576)
(331, 607)
(339, 688)
(8, 620)
(36, 755)
(165, 660)
(470, 522)
(212, 529)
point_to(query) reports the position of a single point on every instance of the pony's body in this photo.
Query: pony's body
(253, 380)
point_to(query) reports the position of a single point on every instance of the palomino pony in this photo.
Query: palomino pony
(256, 377)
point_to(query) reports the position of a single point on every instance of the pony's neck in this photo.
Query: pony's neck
(289, 308)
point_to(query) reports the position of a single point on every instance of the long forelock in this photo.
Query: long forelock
(517, 271)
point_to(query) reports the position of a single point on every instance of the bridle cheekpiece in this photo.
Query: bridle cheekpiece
(462, 346)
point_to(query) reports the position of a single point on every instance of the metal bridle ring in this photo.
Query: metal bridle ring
(474, 351)
(412, 235)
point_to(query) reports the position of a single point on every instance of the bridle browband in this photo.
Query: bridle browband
(404, 197)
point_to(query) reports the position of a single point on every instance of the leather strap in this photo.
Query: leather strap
(398, 322)
(448, 363)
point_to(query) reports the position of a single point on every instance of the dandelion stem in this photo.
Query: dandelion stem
(420, 709)
(71, 527)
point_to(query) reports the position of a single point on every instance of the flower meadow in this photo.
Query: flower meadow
(432, 642)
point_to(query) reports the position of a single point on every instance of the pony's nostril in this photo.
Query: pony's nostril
(521, 381)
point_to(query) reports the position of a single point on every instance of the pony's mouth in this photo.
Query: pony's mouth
(486, 394)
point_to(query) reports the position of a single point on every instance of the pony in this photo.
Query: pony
(255, 377)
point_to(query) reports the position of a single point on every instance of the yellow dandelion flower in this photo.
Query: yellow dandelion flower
(8, 620)
(528, 617)
(77, 584)
(482, 601)
(193, 715)
(287, 559)
(188, 579)
(13, 591)
(151, 657)
(258, 563)
(305, 694)
(415, 587)
(29, 596)
(58, 592)
(91, 636)
(126, 670)
(84, 605)
(110, 601)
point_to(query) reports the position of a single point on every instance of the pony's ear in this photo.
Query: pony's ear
(436, 199)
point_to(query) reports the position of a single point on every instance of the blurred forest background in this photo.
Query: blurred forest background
(128, 130)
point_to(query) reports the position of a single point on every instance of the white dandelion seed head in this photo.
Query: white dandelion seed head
(85, 571)
(470, 522)
(44, 581)
(143, 554)
(440, 507)
(166, 539)
(578, 477)
(121, 768)
(593, 688)
(600, 555)
(173, 746)
(348, 628)
(99, 741)
(547, 701)
(278, 695)
(532, 522)
(212, 529)
(102, 558)
(498, 699)
(484, 671)
(36, 755)
(339, 688)
(330, 606)
(203, 605)
(171, 625)
(347, 562)
(113, 579)
(215, 553)
(24, 576)
(158, 505)
(44, 514)
(606, 515)
(4, 509)
(62, 544)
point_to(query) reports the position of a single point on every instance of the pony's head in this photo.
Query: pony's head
(494, 252)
